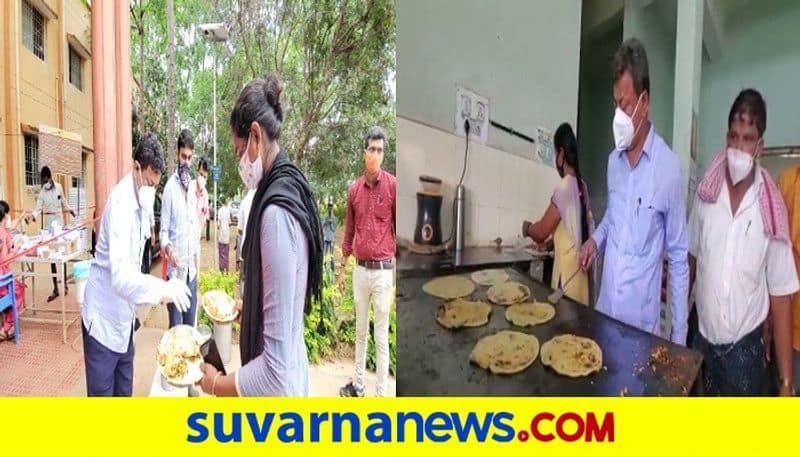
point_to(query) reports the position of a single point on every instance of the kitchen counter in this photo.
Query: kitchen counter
(471, 258)
(432, 360)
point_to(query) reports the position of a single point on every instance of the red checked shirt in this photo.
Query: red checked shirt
(370, 228)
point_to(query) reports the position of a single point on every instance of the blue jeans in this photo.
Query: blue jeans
(188, 317)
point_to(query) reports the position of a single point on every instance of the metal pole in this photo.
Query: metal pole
(216, 209)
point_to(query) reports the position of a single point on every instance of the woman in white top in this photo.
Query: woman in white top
(568, 218)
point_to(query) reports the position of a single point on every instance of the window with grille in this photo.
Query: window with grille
(75, 68)
(33, 29)
(32, 176)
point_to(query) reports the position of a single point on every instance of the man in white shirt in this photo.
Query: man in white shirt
(742, 255)
(116, 284)
(51, 206)
(224, 235)
(179, 234)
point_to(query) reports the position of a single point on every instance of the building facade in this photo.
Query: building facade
(45, 81)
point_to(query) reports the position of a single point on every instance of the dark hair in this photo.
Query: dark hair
(750, 101)
(564, 139)
(202, 164)
(185, 139)
(259, 101)
(46, 173)
(375, 133)
(4, 209)
(149, 153)
(632, 58)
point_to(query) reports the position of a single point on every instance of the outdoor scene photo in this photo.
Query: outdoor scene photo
(285, 108)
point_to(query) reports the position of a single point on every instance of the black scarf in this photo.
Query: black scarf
(285, 186)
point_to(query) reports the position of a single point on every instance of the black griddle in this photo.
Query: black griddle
(432, 360)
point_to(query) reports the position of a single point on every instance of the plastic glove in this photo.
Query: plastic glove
(177, 292)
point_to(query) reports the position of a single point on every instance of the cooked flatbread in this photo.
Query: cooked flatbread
(219, 306)
(461, 313)
(179, 356)
(449, 287)
(528, 314)
(489, 277)
(505, 352)
(572, 355)
(508, 293)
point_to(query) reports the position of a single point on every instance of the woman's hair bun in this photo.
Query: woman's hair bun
(272, 91)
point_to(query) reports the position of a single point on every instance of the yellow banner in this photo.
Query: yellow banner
(401, 427)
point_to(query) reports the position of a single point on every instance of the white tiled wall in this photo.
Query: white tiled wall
(502, 189)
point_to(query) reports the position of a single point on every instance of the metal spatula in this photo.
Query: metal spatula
(558, 294)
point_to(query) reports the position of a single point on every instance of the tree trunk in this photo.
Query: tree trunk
(141, 69)
(171, 148)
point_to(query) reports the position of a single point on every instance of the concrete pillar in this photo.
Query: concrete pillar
(688, 65)
(111, 96)
(13, 159)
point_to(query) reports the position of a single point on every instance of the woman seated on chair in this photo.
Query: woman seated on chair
(6, 251)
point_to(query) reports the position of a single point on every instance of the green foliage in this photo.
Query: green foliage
(336, 59)
(321, 333)
(215, 280)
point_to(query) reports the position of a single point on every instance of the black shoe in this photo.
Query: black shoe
(53, 296)
(351, 390)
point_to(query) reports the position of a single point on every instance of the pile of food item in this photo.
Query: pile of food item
(508, 351)
(179, 355)
(219, 306)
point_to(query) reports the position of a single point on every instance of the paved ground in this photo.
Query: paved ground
(42, 366)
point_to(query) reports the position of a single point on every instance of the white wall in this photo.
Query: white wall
(502, 189)
(522, 54)
(761, 50)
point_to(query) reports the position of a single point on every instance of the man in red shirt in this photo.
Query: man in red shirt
(370, 237)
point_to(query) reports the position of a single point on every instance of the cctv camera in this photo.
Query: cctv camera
(214, 32)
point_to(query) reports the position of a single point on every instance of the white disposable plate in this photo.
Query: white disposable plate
(193, 373)
(220, 298)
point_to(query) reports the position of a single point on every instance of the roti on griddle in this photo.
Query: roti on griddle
(489, 277)
(572, 355)
(449, 287)
(508, 293)
(505, 352)
(462, 313)
(529, 314)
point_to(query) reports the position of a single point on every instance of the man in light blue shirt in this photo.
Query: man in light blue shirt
(646, 216)
(180, 231)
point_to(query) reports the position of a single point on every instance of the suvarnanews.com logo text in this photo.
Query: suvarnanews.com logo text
(400, 427)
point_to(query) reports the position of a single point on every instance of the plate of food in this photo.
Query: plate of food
(219, 306)
(179, 355)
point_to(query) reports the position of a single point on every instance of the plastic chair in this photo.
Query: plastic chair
(9, 301)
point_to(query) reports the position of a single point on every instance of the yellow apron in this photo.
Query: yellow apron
(566, 262)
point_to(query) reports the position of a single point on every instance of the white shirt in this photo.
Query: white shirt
(244, 211)
(50, 203)
(224, 221)
(179, 225)
(116, 283)
(738, 266)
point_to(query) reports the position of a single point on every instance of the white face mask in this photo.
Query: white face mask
(147, 197)
(623, 128)
(739, 164)
(250, 172)
(8, 222)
